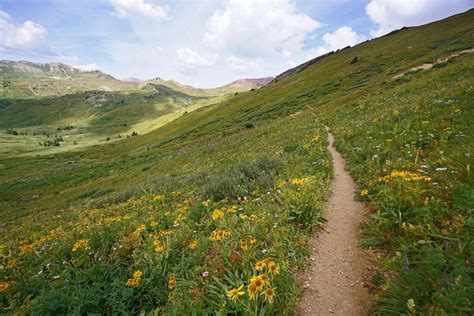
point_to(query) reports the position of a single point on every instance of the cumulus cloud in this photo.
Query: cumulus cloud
(259, 28)
(244, 65)
(342, 37)
(193, 58)
(20, 36)
(143, 7)
(393, 14)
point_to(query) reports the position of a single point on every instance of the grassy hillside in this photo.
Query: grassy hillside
(180, 216)
(22, 79)
(88, 118)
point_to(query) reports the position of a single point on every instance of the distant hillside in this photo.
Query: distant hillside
(249, 83)
(235, 86)
(24, 79)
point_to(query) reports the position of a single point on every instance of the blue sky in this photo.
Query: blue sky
(203, 43)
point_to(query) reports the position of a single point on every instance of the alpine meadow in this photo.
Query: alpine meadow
(152, 197)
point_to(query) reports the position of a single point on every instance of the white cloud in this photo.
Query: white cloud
(20, 36)
(192, 58)
(342, 37)
(242, 65)
(143, 7)
(393, 14)
(258, 28)
(88, 67)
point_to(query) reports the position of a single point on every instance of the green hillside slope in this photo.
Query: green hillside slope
(32, 126)
(177, 218)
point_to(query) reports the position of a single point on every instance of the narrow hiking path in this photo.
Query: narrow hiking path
(334, 283)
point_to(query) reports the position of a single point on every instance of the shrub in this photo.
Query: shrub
(248, 125)
(243, 178)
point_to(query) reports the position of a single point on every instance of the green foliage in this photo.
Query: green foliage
(53, 203)
(242, 179)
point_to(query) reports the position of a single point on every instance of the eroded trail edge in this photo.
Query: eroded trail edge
(335, 281)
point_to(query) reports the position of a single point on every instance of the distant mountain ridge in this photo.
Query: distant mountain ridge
(54, 70)
(250, 83)
(25, 79)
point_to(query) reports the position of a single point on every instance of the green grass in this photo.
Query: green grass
(278, 171)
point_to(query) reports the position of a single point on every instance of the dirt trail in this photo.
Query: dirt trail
(334, 283)
(438, 61)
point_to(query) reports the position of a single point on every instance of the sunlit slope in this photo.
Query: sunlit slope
(134, 221)
(332, 81)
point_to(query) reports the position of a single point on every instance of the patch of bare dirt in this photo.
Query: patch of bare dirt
(438, 61)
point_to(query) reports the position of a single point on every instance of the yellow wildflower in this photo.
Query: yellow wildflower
(159, 247)
(269, 294)
(404, 175)
(364, 192)
(170, 296)
(153, 224)
(235, 293)
(260, 265)
(217, 214)
(172, 281)
(81, 243)
(193, 245)
(135, 280)
(244, 245)
(206, 202)
(158, 197)
(140, 229)
(252, 290)
(253, 240)
(243, 216)
(166, 232)
(297, 181)
(273, 268)
(219, 234)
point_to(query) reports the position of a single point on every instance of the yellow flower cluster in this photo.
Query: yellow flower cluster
(166, 232)
(232, 209)
(135, 280)
(299, 181)
(81, 243)
(364, 192)
(140, 229)
(54, 234)
(269, 264)
(158, 197)
(159, 247)
(217, 214)
(172, 281)
(404, 175)
(258, 284)
(219, 234)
